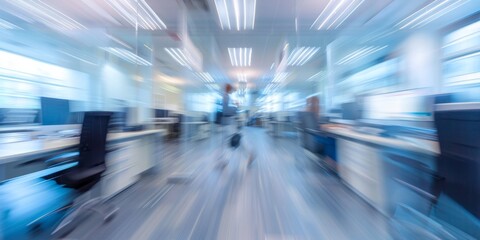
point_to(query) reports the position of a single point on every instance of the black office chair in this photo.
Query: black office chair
(455, 206)
(85, 176)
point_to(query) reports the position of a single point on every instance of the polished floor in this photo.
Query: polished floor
(282, 195)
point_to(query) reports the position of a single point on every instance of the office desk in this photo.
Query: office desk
(195, 130)
(402, 143)
(135, 153)
(365, 164)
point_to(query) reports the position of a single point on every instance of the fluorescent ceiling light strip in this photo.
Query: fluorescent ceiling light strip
(133, 57)
(127, 56)
(349, 14)
(308, 57)
(137, 14)
(331, 14)
(294, 55)
(244, 14)
(465, 57)
(118, 41)
(147, 18)
(65, 17)
(418, 12)
(323, 11)
(237, 13)
(235, 57)
(253, 13)
(222, 11)
(78, 58)
(8, 25)
(423, 14)
(240, 54)
(49, 17)
(250, 57)
(122, 12)
(228, 15)
(440, 13)
(154, 15)
(300, 57)
(353, 54)
(341, 14)
(175, 56)
(230, 53)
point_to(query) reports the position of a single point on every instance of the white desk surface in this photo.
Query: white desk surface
(195, 123)
(20, 128)
(12, 151)
(403, 143)
(165, 119)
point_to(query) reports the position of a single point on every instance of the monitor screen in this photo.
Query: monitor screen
(55, 111)
(161, 113)
(350, 111)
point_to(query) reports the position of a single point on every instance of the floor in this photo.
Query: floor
(282, 195)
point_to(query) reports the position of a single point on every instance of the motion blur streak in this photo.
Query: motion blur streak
(240, 119)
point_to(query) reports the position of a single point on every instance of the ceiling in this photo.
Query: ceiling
(277, 22)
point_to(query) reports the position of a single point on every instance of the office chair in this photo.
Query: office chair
(85, 176)
(455, 207)
(316, 142)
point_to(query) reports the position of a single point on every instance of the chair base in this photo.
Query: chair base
(80, 213)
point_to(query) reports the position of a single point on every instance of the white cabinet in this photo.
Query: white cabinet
(361, 168)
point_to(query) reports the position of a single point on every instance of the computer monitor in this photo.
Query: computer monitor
(161, 113)
(350, 111)
(55, 111)
(458, 126)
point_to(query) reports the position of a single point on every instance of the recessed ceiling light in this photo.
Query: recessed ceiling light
(181, 56)
(236, 14)
(429, 13)
(127, 56)
(137, 12)
(358, 54)
(205, 77)
(8, 25)
(301, 55)
(240, 57)
(45, 14)
(335, 13)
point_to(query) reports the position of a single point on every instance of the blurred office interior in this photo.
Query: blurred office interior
(362, 118)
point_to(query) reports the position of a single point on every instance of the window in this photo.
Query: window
(461, 51)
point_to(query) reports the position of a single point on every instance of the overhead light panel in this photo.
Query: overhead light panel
(360, 53)
(301, 55)
(280, 77)
(205, 77)
(335, 13)
(236, 14)
(242, 78)
(240, 57)
(8, 25)
(319, 75)
(127, 56)
(45, 14)
(181, 56)
(138, 11)
(429, 13)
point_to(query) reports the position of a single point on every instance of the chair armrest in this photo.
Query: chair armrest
(417, 190)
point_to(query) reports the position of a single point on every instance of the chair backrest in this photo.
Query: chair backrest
(308, 120)
(92, 149)
(458, 130)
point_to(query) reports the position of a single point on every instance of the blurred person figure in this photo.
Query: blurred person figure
(231, 137)
(313, 105)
